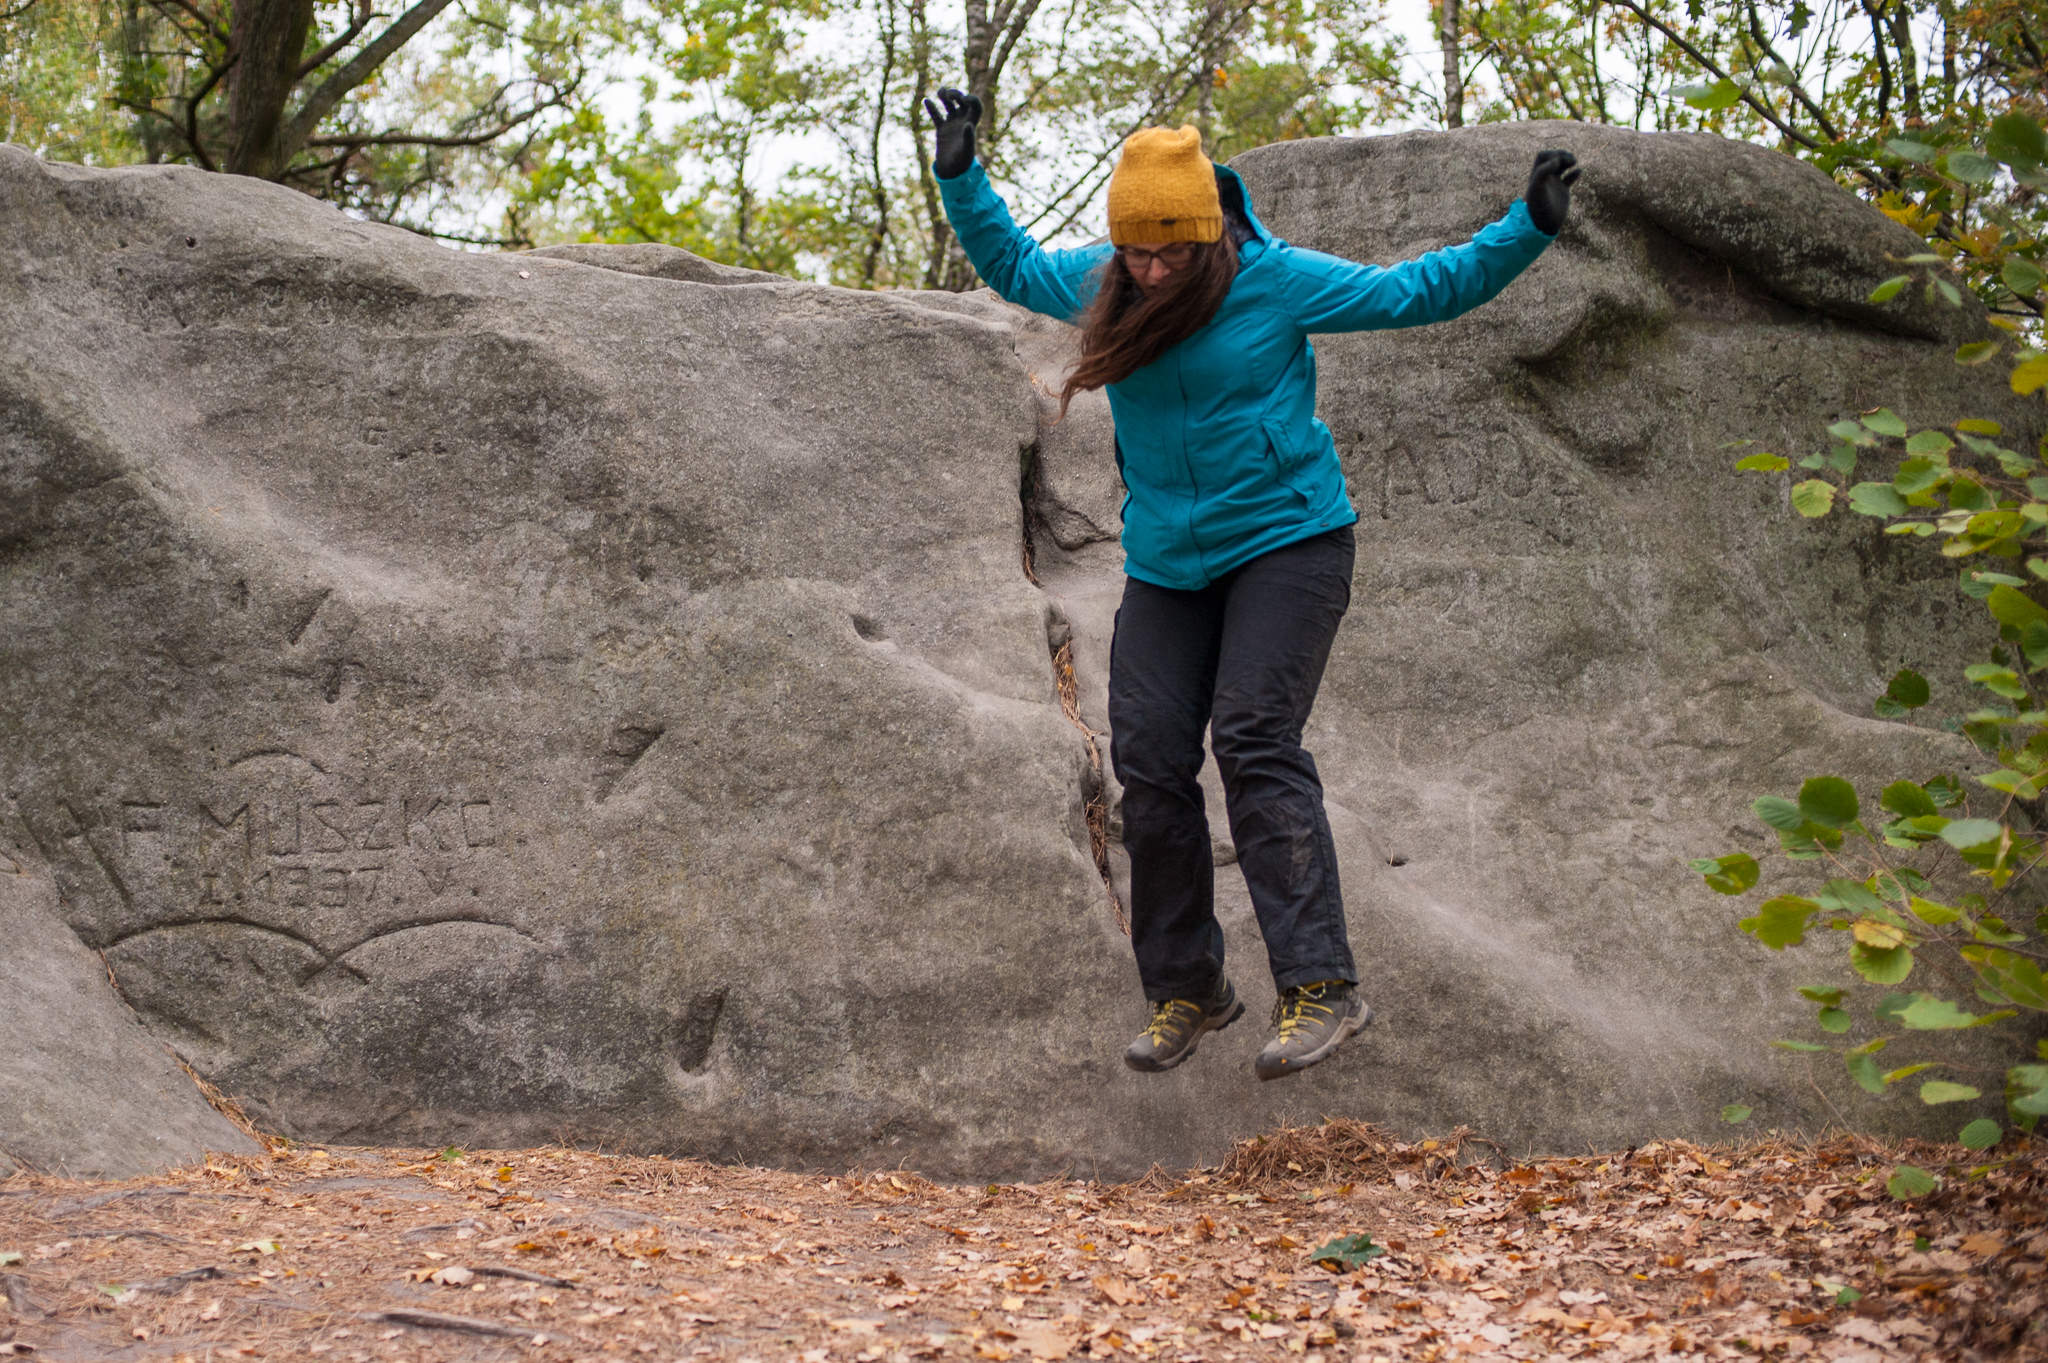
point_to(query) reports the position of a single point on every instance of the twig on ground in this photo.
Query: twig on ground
(435, 1320)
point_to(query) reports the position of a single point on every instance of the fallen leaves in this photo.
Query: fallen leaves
(1775, 1249)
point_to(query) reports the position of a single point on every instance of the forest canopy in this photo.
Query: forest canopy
(792, 136)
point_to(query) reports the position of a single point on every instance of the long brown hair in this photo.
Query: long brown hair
(1125, 328)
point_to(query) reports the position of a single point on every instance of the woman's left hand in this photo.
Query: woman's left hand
(1550, 189)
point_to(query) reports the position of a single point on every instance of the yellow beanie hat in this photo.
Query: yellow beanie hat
(1164, 190)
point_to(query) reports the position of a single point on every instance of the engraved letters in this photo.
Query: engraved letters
(325, 849)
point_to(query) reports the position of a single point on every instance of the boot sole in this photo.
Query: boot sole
(1347, 1029)
(1207, 1026)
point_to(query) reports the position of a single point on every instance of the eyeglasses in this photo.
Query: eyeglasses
(1175, 257)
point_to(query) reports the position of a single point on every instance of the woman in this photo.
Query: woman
(1237, 540)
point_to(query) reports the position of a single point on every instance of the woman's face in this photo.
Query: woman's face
(1153, 267)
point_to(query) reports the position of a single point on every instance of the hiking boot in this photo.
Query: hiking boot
(1313, 1020)
(1177, 1024)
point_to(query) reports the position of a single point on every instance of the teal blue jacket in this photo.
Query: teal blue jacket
(1222, 456)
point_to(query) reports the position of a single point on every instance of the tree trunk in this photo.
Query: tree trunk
(266, 40)
(1211, 56)
(1454, 81)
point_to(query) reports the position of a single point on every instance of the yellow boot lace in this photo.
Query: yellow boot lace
(1295, 1011)
(1171, 1018)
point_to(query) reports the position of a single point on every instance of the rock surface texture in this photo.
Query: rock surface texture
(597, 695)
(85, 1090)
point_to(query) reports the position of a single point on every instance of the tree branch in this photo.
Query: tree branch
(299, 131)
(1884, 65)
(191, 130)
(1708, 65)
(1756, 32)
(1160, 104)
(207, 24)
(329, 51)
(359, 141)
(1012, 30)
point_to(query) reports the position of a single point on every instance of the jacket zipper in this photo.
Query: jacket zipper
(1180, 378)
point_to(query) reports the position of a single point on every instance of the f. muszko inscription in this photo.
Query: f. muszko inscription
(297, 850)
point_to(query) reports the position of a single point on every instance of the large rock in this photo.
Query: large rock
(85, 1090)
(493, 699)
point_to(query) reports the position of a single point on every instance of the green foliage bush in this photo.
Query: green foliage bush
(1934, 889)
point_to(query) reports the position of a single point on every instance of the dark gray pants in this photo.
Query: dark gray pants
(1242, 657)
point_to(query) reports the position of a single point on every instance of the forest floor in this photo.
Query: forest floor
(1773, 1249)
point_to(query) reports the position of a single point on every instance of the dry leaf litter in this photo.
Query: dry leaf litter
(1771, 1250)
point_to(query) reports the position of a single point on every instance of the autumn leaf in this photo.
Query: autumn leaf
(1117, 1290)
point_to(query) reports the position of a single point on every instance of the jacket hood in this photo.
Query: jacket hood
(1237, 205)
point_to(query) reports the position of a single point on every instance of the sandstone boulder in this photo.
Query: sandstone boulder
(85, 1090)
(593, 696)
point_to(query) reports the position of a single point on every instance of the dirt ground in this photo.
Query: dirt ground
(1774, 1250)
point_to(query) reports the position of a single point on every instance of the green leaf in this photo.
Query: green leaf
(1947, 790)
(1972, 167)
(2026, 1089)
(1843, 895)
(1906, 798)
(2034, 643)
(1722, 94)
(1828, 801)
(2017, 140)
(1909, 1181)
(1887, 291)
(1346, 1253)
(1907, 149)
(2023, 277)
(1942, 1091)
(1833, 1020)
(1781, 922)
(1732, 874)
(2028, 375)
(1814, 497)
(1830, 997)
(1876, 499)
(1977, 425)
(1779, 812)
(1909, 690)
(1763, 463)
(1797, 1046)
(1964, 834)
(1926, 1013)
(1885, 422)
(1948, 291)
(1928, 444)
(2010, 606)
(1976, 352)
(2000, 681)
(1906, 1071)
(1881, 965)
(1863, 1069)
(2007, 781)
(1844, 1294)
(1932, 914)
(1735, 1113)
(1981, 1134)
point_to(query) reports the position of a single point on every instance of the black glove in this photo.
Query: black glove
(1550, 189)
(954, 116)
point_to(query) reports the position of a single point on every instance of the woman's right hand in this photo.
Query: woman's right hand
(954, 117)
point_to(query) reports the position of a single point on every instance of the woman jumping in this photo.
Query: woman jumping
(1237, 540)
